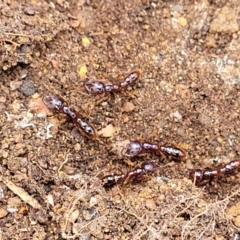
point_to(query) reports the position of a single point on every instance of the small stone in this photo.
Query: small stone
(50, 199)
(5, 145)
(145, 26)
(77, 147)
(4, 154)
(210, 41)
(125, 119)
(128, 107)
(204, 119)
(74, 216)
(16, 105)
(189, 164)
(74, 23)
(15, 84)
(93, 202)
(3, 213)
(29, 11)
(54, 63)
(3, 99)
(150, 204)
(108, 131)
(24, 74)
(176, 115)
(235, 36)
(86, 215)
(27, 88)
(14, 202)
(161, 197)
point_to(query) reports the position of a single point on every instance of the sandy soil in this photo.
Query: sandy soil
(51, 176)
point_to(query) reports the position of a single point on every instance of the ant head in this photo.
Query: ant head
(53, 102)
(132, 149)
(94, 87)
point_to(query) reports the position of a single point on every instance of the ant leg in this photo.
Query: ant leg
(210, 182)
(128, 162)
(102, 99)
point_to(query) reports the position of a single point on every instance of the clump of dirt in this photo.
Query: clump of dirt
(188, 96)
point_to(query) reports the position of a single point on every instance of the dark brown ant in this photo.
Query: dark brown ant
(131, 176)
(135, 147)
(60, 105)
(97, 87)
(198, 176)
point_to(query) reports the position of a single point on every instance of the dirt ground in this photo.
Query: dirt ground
(51, 176)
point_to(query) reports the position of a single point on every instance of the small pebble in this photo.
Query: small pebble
(24, 74)
(27, 88)
(93, 201)
(50, 199)
(74, 215)
(128, 107)
(74, 23)
(108, 131)
(86, 215)
(14, 202)
(176, 115)
(3, 213)
(15, 84)
(29, 11)
(150, 204)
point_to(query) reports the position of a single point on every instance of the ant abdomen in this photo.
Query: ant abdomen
(112, 180)
(173, 152)
(230, 167)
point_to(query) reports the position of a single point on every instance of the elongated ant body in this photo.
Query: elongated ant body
(198, 176)
(97, 87)
(131, 176)
(60, 105)
(134, 148)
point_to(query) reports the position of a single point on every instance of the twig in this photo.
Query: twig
(21, 193)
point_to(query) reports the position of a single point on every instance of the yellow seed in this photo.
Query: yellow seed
(82, 71)
(86, 42)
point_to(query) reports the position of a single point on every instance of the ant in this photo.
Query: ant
(137, 173)
(97, 87)
(135, 147)
(59, 104)
(198, 176)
